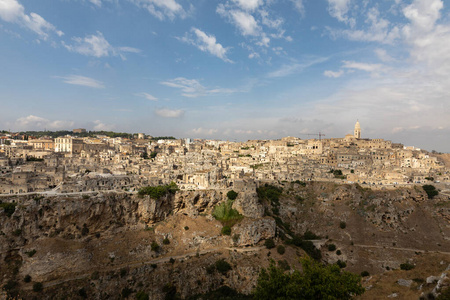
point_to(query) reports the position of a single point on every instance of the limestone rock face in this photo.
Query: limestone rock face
(251, 231)
(247, 204)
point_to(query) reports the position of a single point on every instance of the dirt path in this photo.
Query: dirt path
(400, 249)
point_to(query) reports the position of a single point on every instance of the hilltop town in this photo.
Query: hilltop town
(74, 164)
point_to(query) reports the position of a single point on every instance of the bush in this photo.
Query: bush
(269, 192)
(226, 214)
(226, 230)
(281, 249)
(155, 247)
(236, 237)
(126, 292)
(338, 252)
(222, 266)
(166, 241)
(365, 274)
(82, 293)
(317, 281)
(123, 272)
(309, 235)
(17, 232)
(342, 225)
(284, 265)
(186, 227)
(37, 286)
(9, 208)
(30, 253)
(142, 296)
(331, 247)
(172, 260)
(269, 243)
(341, 264)
(27, 278)
(407, 266)
(430, 190)
(156, 192)
(232, 195)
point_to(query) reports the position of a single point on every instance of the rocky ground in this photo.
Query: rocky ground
(113, 245)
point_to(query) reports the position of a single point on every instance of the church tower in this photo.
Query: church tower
(357, 133)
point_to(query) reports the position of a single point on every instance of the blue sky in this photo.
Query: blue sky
(234, 70)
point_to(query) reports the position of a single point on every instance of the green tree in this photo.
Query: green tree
(315, 282)
(430, 190)
(232, 195)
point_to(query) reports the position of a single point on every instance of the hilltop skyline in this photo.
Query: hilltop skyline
(229, 69)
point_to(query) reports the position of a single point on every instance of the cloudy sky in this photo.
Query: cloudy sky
(234, 70)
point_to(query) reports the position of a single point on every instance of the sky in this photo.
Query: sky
(232, 70)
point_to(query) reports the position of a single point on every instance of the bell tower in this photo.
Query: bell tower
(357, 132)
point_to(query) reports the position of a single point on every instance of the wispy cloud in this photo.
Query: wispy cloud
(100, 126)
(333, 74)
(206, 43)
(147, 96)
(96, 45)
(12, 11)
(162, 9)
(192, 88)
(287, 70)
(82, 80)
(169, 113)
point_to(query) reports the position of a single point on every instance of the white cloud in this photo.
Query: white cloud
(362, 66)
(169, 113)
(245, 22)
(100, 126)
(298, 4)
(333, 74)
(203, 131)
(192, 88)
(32, 122)
(383, 55)
(96, 2)
(12, 11)
(339, 9)
(83, 81)
(423, 14)
(162, 9)
(146, 96)
(207, 43)
(96, 45)
(248, 4)
(290, 69)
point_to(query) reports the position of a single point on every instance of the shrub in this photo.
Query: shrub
(126, 292)
(30, 253)
(316, 281)
(27, 278)
(430, 190)
(123, 272)
(222, 266)
(166, 241)
(236, 237)
(226, 230)
(407, 266)
(37, 286)
(172, 260)
(338, 252)
(9, 208)
(365, 274)
(281, 249)
(17, 232)
(210, 269)
(82, 293)
(269, 243)
(141, 295)
(186, 227)
(226, 214)
(232, 195)
(155, 247)
(309, 235)
(284, 265)
(269, 192)
(342, 225)
(156, 192)
(341, 264)
(331, 247)
(10, 285)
